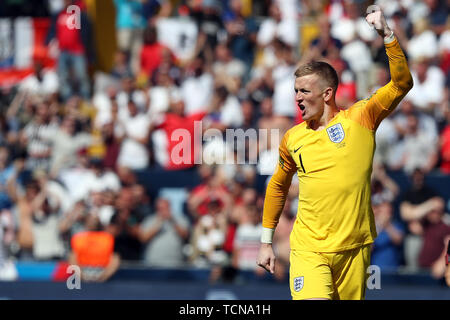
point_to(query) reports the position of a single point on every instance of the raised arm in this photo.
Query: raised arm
(385, 99)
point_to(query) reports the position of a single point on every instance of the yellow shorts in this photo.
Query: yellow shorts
(336, 276)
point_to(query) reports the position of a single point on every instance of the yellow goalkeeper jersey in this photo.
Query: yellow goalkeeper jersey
(334, 167)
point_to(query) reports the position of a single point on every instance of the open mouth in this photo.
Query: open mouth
(302, 108)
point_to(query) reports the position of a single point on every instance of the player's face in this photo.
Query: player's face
(309, 97)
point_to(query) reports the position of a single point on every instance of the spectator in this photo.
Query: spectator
(141, 200)
(260, 86)
(242, 33)
(211, 29)
(283, 79)
(130, 23)
(277, 27)
(163, 235)
(268, 120)
(7, 237)
(174, 144)
(435, 231)
(134, 153)
(208, 238)
(445, 147)
(197, 79)
(88, 175)
(6, 171)
(438, 15)
(75, 50)
(43, 81)
(39, 217)
(423, 43)
(130, 91)
(247, 240)
(93, 251)
(152, 52)
(211, 189)
(415, 204)
(354, 51)
(121, 66)
(112, 146)
(225, 111)
(427, 124)
(386, 250)
(383, 187)
(37, 137)
(73, 221)
(106, 105)
(417, 150)
(65, 144)
(227, 70)
(166, 79)
(428, 89)
(324, 42)
(125, 227)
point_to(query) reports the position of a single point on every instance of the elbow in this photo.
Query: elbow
(405, 85)
(409, 83)
(405, 213)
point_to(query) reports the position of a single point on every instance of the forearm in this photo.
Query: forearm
(398, 66)
(395, 235)
(415, 212)
(181, 231)
(111, 268)
(147, 235)
(401, 82)
(276, 194)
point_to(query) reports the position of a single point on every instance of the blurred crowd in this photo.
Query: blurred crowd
(74, 142)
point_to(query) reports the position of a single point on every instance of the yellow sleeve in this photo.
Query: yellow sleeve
(278, 187)
(371, 111)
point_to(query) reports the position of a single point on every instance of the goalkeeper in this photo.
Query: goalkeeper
(332, 153)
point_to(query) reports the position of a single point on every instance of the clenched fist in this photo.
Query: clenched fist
(375, 18)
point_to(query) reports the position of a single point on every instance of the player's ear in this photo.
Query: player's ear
(328, 94)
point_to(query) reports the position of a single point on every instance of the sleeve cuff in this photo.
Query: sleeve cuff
(390, 38)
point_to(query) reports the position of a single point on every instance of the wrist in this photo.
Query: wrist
(388, 36)
(267, 235)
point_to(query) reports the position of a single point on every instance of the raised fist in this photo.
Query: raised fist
(375, 18)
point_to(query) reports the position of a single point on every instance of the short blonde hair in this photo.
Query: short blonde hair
(325, 71)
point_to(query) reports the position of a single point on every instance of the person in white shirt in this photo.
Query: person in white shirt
(197, 88)
(134, 153)
(429, 85)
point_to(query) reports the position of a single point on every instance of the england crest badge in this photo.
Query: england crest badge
(336, 133)
(298, 284)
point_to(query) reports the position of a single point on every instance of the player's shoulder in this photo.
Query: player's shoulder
(357, 105)
(356, 110)
(296, 130)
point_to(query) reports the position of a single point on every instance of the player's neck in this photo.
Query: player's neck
(329, 112)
